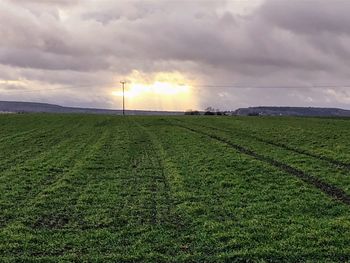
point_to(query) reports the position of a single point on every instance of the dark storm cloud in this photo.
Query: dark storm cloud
(90, 43)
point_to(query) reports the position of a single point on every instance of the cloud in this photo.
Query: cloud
(308, 17)
(88, 46)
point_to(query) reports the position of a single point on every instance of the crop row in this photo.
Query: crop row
(333, 175)
(322, 137)
(329, 189)
(144, 189)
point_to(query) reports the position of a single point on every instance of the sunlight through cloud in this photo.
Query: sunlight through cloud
(163, 90)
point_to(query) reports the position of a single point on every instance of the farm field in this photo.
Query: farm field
(88, 188)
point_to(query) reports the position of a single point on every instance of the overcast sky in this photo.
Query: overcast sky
(75, 52)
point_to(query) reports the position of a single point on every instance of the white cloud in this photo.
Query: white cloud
(85, 46)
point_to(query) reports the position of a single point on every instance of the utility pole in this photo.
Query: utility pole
(123, 85)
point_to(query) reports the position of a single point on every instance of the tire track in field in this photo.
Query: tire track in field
(54, 172)
(166, 212)
(40, 146)
(158, 186)
(16, 135)
(27, 136)
(139, 180)
(331, 190)
(88, 149)
(334, 162)
(144, 212)
(160, 180)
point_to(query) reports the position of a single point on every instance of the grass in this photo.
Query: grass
(85, 188)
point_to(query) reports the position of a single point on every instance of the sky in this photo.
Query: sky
(176, 54)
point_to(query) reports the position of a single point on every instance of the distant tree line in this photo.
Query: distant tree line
(207, 111)
(192, 112)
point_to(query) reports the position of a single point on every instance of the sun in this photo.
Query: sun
(162, 91)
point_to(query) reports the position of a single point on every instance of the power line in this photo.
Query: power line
(323, 86)
(273, 87)
(39, 90)
(34, 90)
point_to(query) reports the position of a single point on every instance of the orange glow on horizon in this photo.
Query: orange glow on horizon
(162, 91)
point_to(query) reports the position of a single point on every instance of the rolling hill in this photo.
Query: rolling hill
(34, 107)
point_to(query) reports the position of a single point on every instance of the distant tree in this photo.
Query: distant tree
(209, 111)
(212, 111)
(253, 114)
(192, 112)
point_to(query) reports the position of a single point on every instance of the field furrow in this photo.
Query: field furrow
(236, 131)
(17, 153)
(85, 188)
(313, 135)
(337, 176)
(328, 189)
(217, 185)
(25, 181)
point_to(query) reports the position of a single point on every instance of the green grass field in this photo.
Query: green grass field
(84, 188)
